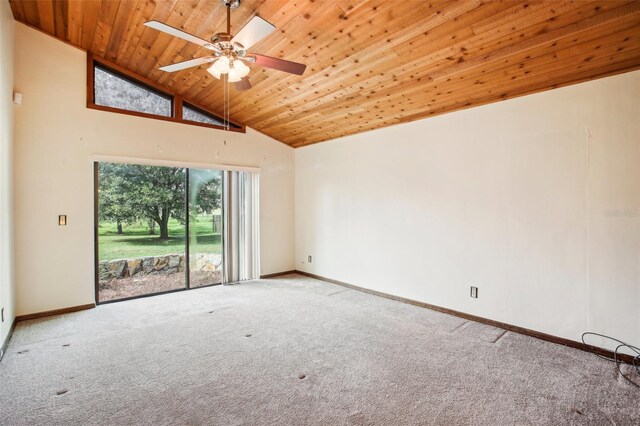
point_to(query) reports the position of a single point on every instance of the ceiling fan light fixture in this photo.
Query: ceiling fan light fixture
(229, 52)
(222, 64)
(233, 76)
(240, 68)
(214, 71)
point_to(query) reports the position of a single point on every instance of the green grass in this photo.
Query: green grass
(136, 241)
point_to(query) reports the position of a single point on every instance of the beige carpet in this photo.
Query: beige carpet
(296, 351)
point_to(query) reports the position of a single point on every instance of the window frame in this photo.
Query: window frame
(176, 99)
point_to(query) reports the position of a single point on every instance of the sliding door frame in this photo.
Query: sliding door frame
(96, 254)
(187, 234)
(187, 269)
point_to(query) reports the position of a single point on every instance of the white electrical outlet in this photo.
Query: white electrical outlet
(474, 292)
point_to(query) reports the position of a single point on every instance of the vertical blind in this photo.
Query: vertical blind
(241, 233)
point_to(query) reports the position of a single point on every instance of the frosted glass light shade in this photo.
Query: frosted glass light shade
(241, 68)
(236, 69)
(214, 71)
(234, 76)
(222, 64)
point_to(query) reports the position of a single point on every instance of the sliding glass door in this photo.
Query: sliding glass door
(157, 229)
(205, 227)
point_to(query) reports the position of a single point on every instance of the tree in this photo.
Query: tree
(205, 187)
(132, 192)
(152, 227)
(160, 194)
(113, 204)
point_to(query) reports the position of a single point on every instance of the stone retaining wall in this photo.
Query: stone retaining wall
(158, 265)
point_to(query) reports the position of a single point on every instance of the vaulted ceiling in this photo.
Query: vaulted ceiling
(370, 64)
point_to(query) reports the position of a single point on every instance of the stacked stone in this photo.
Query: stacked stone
(158, 265)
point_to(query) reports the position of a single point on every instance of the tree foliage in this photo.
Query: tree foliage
(205, 186)
(114, 205)
(131, 192)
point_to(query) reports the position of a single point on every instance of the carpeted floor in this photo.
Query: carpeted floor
(295, 351)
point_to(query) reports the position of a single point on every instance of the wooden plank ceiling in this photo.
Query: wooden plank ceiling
(370, 64)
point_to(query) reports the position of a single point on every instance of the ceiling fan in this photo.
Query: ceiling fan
(229, 51)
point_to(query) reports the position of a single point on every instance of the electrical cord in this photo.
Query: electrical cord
(635, 361)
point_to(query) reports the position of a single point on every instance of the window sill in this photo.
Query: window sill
(159, 117)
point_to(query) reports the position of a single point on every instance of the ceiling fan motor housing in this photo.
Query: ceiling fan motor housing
(221, 44)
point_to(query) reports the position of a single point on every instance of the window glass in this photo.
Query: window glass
(190, 113)
(115, 91)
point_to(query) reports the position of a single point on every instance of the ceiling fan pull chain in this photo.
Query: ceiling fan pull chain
(226, 101)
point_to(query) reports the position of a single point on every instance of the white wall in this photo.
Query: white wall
(56, 139)
(7, 298)
(520, 198)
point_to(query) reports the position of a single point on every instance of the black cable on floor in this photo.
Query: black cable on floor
(635, 361)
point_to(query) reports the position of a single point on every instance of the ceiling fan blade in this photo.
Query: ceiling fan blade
(187, 64)
(168, 29)
(253, 32)
(243, 84)
(279, 64)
